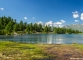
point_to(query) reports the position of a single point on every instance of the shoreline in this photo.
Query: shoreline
(35, 33)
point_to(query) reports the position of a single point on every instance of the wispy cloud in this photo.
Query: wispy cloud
(40, 22)
(63, 21)
(1, 8)
(81, 17)
(55, 24)
(33, 18)
(75, 14)
(25, 18)
(58, 24)
(76, 20)
(49, 23)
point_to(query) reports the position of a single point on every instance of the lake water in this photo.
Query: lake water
(45, 38)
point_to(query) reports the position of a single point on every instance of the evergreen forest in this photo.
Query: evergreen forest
(9, 26)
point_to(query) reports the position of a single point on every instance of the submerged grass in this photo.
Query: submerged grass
(21, 51)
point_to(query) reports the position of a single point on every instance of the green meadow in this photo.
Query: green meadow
(22, 51)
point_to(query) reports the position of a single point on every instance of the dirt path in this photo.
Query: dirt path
(67, 52)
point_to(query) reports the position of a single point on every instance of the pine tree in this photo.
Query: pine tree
(21, 25)
(16, 27)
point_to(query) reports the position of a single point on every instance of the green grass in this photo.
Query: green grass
(16, 51)
(21, 51)
(78, 46)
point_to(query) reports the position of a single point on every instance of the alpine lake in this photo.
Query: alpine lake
(44, 38)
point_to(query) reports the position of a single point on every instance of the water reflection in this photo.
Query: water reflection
(45, 38)
(59, 41)
(49, 39)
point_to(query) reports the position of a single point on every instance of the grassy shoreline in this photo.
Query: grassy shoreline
(21, 51)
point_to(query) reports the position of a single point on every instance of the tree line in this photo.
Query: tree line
(9, 25)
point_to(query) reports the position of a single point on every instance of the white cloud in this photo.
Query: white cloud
(58, 23)
(63, 21)
(25, 18)
(48, 23)
(81, 16)
(33, 18)
(60, 26)
(1, 8)
(76, 20)
(40, 22)
(75, 14)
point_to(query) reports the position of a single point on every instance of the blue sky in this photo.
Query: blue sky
(47, 11)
